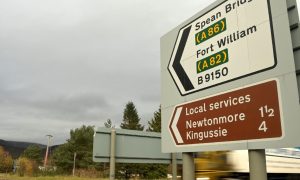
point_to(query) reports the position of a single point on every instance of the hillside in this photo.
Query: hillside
(16, 148)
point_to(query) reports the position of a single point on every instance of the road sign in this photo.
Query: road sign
(231, 47)
(245, 114)
(222, 45)
(130, 147)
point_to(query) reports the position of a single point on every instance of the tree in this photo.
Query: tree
(63, 157)
(6, 161)
(131, 121)
(33, 152)
(155, 122)
(155, 171)
(81, 142)
(131, 118)
(26, 166)
(108, 124)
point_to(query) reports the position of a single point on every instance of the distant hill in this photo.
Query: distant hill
(16, 148)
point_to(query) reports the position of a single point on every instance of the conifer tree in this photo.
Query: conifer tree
(131, 118)
(155, 171)
(108, 124)
(155, 122)
(131, 121)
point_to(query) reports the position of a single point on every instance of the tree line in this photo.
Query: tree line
(80, 143)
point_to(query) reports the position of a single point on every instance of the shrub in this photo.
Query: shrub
(26, 167)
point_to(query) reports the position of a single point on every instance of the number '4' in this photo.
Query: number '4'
(263, 126)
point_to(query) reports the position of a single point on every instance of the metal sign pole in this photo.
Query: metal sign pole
(174, 166)
(257, 164)
(112, 154)
(188, 171)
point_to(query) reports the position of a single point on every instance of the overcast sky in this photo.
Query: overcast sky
(65, 63)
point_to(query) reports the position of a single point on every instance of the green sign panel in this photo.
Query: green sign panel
(211, 31)
(212, 61)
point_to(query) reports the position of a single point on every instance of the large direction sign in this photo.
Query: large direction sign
(222, 45)
(228, 79)
(244, 114)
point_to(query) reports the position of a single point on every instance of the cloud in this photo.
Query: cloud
(73, 62)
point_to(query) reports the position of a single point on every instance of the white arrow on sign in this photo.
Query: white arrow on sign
(173, 125)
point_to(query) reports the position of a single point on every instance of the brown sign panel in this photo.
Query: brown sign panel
(245, 114)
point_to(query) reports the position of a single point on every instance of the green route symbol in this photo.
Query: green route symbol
(212, 61)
